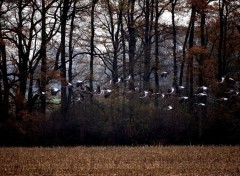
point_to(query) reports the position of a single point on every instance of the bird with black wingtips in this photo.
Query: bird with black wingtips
(106, 93)
(128, 78)
(222, 80)
(70, 85)
(137, 90)
(230, 81)
(54, 91)
(146, 94)
(159, 95)
(223, 99)
(79, 83)
(168, 107)
(201, 94)
(203, 89)
(181, 87)
(170, 92)
(164, 74)
(231, 92)
(200, 104)
(183, 99)
(120, 80)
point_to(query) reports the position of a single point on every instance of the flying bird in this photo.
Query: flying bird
(79, 83)
(201, 95)
(183, 99)
(203, 89)
(223, 99)
(222, 80)
(164, 74)
(181, 87)
(200, 104)
(170, 92)
(54, 91)
(146, 94)
(106, 93)
(168, 107)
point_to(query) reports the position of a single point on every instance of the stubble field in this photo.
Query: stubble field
(144, 160)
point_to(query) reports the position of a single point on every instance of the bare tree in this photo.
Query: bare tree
(4, 102)
(63, 75)
(147, 42)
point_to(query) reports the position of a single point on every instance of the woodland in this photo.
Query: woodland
(126, 72)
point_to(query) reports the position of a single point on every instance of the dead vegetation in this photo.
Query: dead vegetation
(143, 160)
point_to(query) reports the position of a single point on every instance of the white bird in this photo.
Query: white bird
(200, 104)
(181, 87)
(164, 74)
(231, 91)
(223, 99)
(182, 99)
(136, 90)
(170, 92)
(228, 80)
(160, 95)
(40, 93)
(146, 94)
(54, 91)
(79, 83)
(106, 93)
(119, 80)
(201, 95)
(232, 80)
(168, 107)
(128, 78)
(222, 80)
(203, 88)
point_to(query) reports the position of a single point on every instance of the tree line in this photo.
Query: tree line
(195, 42)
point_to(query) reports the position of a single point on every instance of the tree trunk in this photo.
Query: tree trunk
(174, 44)
(92, 45)
(147, 47)
(203, 45)
(184, 54)
(70, 51)
(23, 65)
(190, 57)
(64, 103)
(43, 56)
(156, 36)
(132, 40)
(4, 102)
(221, 35)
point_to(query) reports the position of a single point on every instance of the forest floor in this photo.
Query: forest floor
(141, 160)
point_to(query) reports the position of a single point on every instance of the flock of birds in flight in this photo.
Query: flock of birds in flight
(201, 93)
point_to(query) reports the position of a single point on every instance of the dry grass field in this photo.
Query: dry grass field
(145, 160)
